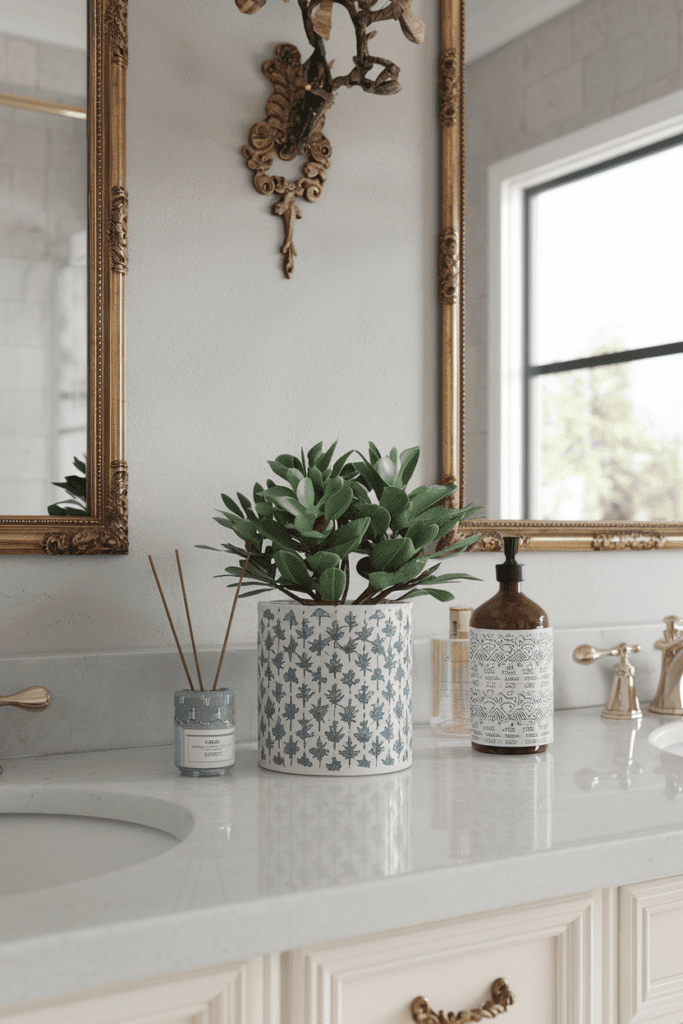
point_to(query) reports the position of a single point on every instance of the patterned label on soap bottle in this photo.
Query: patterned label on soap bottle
(511, 687)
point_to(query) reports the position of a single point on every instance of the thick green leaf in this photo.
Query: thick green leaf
(404, 519)
(314, 453)
(437, 514)
(425, 496)
(370, 476)
(340, 463)
(391, 554)
(325, 459)
(381, 517)
(422, 534)
(288, 461)
(244, 528)
(440, 595)
(232, 505)
(394, 500)
(333, 485)
(408, 461)
(244, 502)
(332, 584)
(406, 573)
(464, 542)
(305, 492)
(347, 538)
(375, 453)
(449, 577)
(316, 476)
(280, 469)
(293, 477)
(274, 531)
(304, 525)
(338, 502)
(290, 505)
(322, 560)
(292, 567)
(79, 465)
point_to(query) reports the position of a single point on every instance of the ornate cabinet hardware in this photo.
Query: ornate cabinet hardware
(501, 997)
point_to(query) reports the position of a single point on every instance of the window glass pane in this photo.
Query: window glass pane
(609, 442)
(606, 260)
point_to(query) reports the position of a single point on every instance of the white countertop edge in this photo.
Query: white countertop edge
(135, 950)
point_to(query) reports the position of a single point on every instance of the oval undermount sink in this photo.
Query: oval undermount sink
(669, 738)
(53, 836)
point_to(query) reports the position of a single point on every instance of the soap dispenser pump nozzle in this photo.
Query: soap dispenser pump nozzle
(510, 571)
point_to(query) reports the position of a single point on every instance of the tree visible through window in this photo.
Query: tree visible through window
(604, 341)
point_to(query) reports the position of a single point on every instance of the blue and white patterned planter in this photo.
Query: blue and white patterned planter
(335, 688)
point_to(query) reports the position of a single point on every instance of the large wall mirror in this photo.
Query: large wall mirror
(579, 411)
(63, 258)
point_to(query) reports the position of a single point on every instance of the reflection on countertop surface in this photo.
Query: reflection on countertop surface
(274, 861)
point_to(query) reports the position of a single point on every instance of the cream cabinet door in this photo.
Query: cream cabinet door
(242, 992)
(550, 955)
(651, 952)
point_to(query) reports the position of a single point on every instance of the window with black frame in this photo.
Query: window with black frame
(604, 341)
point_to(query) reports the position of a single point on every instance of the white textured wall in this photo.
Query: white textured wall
(229, 364)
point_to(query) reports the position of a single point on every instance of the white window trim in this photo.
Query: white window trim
(507, 182)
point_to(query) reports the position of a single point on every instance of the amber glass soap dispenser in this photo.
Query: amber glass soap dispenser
(511, 667)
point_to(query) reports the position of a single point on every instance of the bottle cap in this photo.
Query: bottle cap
(510, 571)
(460, 623)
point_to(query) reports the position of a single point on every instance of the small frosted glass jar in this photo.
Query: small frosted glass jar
(204, 732)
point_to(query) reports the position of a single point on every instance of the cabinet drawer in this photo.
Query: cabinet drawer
(543, 951)
(233, 993)
(651, 952)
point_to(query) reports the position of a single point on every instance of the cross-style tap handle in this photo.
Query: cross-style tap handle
(623, 702)
(35, 698)
(586, 654)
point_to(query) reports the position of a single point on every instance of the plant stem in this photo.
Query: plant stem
(347, 570)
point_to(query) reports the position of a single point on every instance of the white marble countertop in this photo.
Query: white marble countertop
(269, 862)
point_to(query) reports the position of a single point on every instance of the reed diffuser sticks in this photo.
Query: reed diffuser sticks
(189, 620)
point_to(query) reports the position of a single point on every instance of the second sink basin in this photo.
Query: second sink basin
(50, 836)
(668, 737)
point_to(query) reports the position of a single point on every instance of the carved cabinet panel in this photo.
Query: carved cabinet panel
(545, 953)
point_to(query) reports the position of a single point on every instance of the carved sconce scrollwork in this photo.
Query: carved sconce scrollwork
(304, 92)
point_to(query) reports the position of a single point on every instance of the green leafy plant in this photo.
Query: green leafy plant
(301, 532)
(75, 486)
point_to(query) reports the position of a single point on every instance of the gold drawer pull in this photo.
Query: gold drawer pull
(501, 998)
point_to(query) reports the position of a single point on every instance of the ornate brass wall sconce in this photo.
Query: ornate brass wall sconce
(304, 92)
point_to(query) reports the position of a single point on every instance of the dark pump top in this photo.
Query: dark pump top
(510, 571)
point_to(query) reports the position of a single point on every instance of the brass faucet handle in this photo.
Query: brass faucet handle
(623, 702)
(586, 654)
(35, 698)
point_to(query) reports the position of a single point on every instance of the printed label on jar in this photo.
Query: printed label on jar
(511, 687)
(208, 748)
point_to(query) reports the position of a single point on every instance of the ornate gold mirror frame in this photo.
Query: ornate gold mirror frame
(542, 536)
(104, 530)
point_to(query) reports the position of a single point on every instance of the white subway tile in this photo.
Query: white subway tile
(554, 98)
(21, 62)
(630, 63)
(599, 77)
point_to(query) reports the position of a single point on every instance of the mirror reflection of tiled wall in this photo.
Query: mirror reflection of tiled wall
(43, 274)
